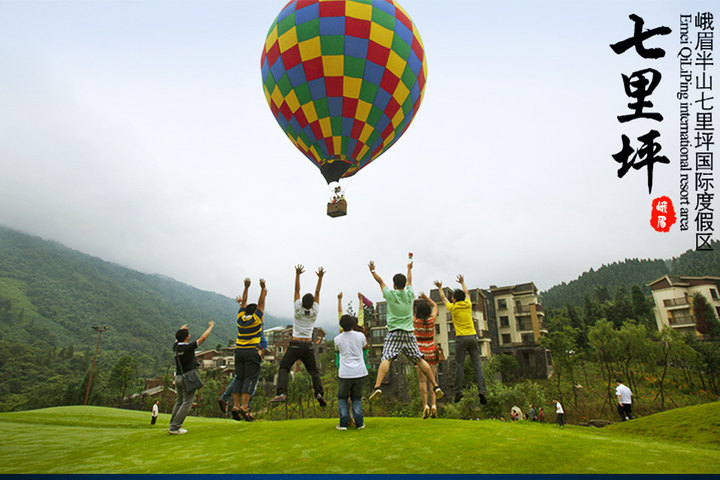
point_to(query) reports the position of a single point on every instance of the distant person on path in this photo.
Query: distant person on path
(185, 361)
(351, 372)
(532, 416)
(465, 338)
(400, 338)
(560, 419)
(541, 415)
(301, 346)
(155, 411)
(424, 323)
(247, 351)
(624, 396)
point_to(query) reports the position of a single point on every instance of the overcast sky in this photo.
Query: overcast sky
(138, 132)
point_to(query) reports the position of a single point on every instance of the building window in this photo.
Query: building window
(528, 338)
(504, 322)
(502, 304)
(714, 293)
(505, 338)
(717, 311)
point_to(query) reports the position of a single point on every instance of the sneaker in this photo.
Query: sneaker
(361, 427)
(483, 400)
(458, 397)
(439, 393)
(179, 431)
(426, 412)
(278, 398)
(375, 395)
(320, 399)
(236, 414)
(223, 405)
(340, 427)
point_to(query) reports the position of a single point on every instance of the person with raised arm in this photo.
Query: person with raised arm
(247, 351)
(400, 338)
(424, 323)
(301, 346)
(185, 361)
(465, 337)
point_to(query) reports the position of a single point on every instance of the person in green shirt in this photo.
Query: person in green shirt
(400, 337)
(465, 337)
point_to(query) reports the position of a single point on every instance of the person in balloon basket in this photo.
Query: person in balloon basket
(301, 346)
(247, 351)
(351, 372)
(185, 361)
(400, 337)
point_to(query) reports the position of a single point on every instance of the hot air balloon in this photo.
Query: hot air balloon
(344, 79)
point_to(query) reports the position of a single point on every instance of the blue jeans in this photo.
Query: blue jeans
(227, 395)
(351, 387)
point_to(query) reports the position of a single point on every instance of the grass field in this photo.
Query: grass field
(105, 440)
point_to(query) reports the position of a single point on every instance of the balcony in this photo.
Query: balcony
(676, 302)
(525, 309)
(684, 320)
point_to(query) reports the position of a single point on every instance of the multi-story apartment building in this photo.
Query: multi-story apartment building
(520, 321)
(673, 296)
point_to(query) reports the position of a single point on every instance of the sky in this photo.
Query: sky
(138, 132)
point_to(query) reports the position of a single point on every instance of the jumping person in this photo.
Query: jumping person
(424, 323)
(185, 361)
(465, 338)
(301, 346)
(400, 338)
(247, 355)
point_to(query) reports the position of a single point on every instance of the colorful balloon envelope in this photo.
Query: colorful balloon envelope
(344, 79)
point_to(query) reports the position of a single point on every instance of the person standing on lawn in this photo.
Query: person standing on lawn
(301, 346)
(624, 396)
(400, 338)
(351, 372)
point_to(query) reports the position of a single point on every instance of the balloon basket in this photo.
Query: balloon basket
(337, 209)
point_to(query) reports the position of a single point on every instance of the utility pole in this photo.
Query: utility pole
(100, 331)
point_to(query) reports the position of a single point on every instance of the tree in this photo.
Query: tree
(706, 322)
(562, 345)
(123, 374)
(603, 341)
(642, 309)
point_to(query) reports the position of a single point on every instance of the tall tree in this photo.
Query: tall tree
(706, 322)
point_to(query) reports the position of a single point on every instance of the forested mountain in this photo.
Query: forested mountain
(632, 272)
(52, 295)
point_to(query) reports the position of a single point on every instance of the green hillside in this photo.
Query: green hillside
(72, 440)
(51, 296)
(632, 272)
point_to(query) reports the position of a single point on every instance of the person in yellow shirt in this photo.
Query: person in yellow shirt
(465, 337)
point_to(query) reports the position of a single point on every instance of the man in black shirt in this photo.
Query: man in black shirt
(185, 361)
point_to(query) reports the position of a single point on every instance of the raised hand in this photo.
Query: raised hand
(340, 296)
(299, 269)
(320, 272)
(460, 279)
(371, 265)
(247, 282)
(262, 283)
(438, 284)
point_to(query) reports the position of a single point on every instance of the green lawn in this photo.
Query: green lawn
(106, 440)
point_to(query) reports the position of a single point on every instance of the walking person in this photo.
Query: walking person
(247, 354)
(352, 372)
(624, 397)
(424, 323)
(155, 412)
(400, 338)
(465, 338)
(301, 346)
(560, 413)
(185, 361)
